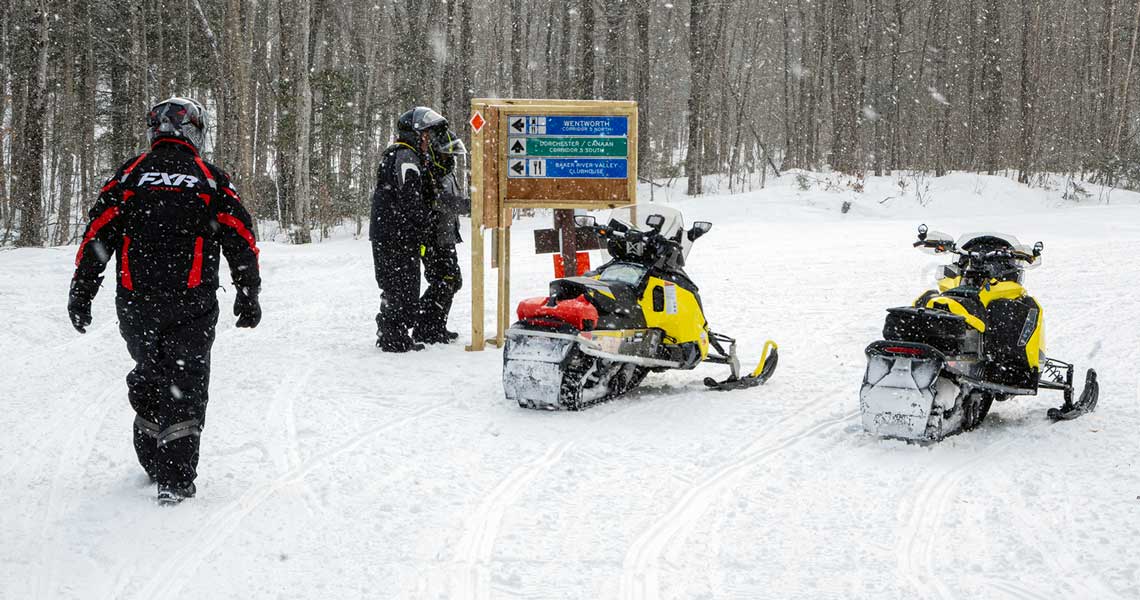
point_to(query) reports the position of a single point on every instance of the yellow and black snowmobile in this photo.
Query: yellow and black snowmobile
(978, 338)
(597, 336)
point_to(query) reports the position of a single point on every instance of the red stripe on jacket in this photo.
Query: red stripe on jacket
(234, 222)
(196, 266)
(96, 225)
(125, 270)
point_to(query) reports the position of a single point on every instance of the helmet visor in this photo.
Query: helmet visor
(175, 114)
(444, 141)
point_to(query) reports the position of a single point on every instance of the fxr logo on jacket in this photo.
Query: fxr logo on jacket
(168, 179)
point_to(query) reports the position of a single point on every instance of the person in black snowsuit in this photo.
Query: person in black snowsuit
(166, 214)
(400, 223)
(440, 261)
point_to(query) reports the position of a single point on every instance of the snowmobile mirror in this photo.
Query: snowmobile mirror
(1037, 248)
(699, 228)
(655, 222)
(922, 229)
(585, 221)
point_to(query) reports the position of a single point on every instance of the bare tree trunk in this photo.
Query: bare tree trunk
(7, 15)
(1027, 96)
(303, 107)
(644, 101)
(565, 80)
(586, 45)
(613, 65)
(1117, 140)
(845, 152)
(992, 87)
(695, 155)
(517, 41)
(29, 162)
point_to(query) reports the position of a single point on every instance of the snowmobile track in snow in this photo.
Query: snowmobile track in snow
(476, 548)
(915, 550)
(77, 447)
(1080, 579)
(639, 577)
(168, 578)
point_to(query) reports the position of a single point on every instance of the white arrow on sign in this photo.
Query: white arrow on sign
(517, 146)
(518, 124)
(516, 167)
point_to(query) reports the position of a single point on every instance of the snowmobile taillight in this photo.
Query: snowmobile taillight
(904, 350)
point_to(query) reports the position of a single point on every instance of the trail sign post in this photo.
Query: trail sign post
(559, 154)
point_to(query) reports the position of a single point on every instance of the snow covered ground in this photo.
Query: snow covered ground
(330, 470)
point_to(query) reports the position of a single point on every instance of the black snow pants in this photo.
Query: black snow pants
(398, 275)
(444, 279)
(169, 338)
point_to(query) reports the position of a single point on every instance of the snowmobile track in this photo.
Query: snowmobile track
(288, 456)
(170, 576)
(639, 577)
(915, 550)
(476, 548)
(1017, 592)
(1080, 579)
(76, 449)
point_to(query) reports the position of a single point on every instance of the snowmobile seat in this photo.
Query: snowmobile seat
(962, 303)
(947, 332)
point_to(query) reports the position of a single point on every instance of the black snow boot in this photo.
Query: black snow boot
(171, 494)
(434, 335)
(397, 343)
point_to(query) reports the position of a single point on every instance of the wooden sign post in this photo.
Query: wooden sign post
(560, 154)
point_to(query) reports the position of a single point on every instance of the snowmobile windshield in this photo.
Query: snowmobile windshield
(671, 228)
(990, 241)
(623, 272)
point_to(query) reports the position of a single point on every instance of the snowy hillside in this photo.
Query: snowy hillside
(330, 470)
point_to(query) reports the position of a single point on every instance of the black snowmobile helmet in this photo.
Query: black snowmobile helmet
(415, 121)
(180, 118)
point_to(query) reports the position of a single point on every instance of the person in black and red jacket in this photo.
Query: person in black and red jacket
(165, 216)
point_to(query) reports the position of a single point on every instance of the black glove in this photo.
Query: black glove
(79, 302)
(246, 307)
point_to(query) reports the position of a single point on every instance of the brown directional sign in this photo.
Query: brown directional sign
(552, 154)
(559, 154)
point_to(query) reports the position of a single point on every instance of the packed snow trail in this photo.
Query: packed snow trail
(331, 470)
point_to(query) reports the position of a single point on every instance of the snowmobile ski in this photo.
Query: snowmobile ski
(1084, 405)
(769, 358)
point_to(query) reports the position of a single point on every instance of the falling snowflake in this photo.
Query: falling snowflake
(938, 97)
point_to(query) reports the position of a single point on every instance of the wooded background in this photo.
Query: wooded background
(303, 94)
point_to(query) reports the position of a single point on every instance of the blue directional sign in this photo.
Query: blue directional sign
(594, 126)
(578, 168)
(568, 147)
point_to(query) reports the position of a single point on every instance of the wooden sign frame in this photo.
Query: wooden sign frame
(494, 195)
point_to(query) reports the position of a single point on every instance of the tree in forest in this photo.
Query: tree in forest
(31, 77)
